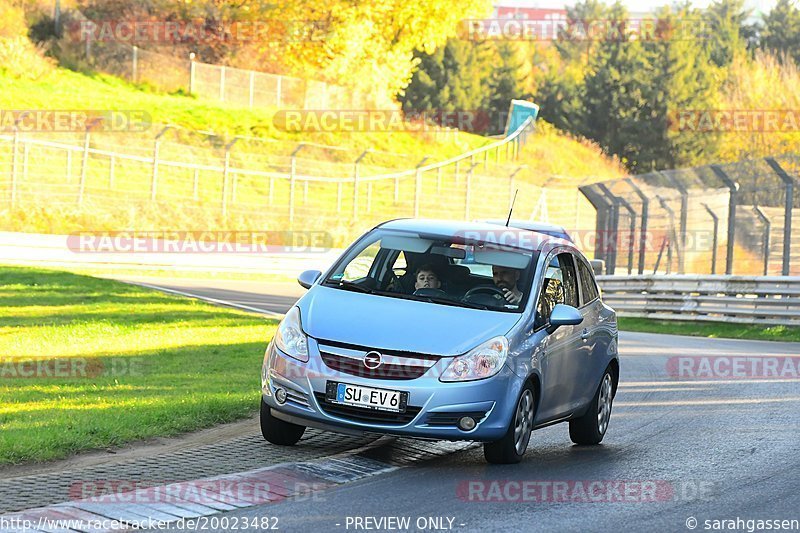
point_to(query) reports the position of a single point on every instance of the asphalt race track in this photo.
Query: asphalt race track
(699, 432)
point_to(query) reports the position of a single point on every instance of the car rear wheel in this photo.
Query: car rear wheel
(278, 431)
(512, 446)
(592, 426)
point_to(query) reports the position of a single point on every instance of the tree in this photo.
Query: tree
(506, 82)
(781, 33)
(368, 46)
(726, 32)
(681, 80)
(626, 92)
(451, 78)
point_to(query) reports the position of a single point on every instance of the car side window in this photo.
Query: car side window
(588, 286)
(559, 287)
(360, 267)
(570, 279)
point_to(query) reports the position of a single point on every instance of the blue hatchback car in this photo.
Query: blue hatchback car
(446, 330)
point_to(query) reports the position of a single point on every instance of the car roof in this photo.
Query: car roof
(532, 226)
(529, 240)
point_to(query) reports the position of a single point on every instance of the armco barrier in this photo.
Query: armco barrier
(771, 300)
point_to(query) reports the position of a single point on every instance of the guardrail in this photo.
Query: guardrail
(769, 300)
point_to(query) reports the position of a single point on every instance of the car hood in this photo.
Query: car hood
(382, 322)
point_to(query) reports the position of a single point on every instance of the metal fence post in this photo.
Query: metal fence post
(14, 150)
(87, 50)
(681, 242)
(673, 236)
(714, 242)
(612, 238)
(135, 65)
(225, 172)
(733, 187)
(767, 228)
(787, 213)
(356, 165)
(84, 166)
(468, 191)
(632, 231)
(192, 73)
(292, 176)
(418, 186)
(602, 207)
(156, 149)
(643, 224)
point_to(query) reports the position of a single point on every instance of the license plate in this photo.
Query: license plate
(367, 397)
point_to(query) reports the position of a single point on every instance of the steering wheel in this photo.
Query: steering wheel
(485, 289)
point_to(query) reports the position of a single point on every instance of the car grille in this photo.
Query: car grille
(349, 359)
(360, 414)
(451, 419)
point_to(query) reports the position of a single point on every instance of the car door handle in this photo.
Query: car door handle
(585, 334)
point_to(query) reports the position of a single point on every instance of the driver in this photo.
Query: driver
(506, 279)
(426, 278)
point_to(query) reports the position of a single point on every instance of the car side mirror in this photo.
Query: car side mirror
(564, 315)
(307, 278)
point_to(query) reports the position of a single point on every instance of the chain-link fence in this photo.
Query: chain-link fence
(168, 72)
(141, 181)
(738, 218)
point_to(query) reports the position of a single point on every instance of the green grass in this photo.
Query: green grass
(711, 329)
(47, 191)
(155, 365)
(182, 274)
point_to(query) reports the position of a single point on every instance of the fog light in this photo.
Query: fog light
(466, 423)
(280, 396)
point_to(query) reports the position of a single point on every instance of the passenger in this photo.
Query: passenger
(426, 278)
(506, 279)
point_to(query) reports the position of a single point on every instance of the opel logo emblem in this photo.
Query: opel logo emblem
(372, 360)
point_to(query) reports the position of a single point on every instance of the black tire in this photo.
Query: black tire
(511, 448)
(592, 426)
(278, 431)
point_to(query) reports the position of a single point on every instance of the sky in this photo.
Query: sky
(637, 6)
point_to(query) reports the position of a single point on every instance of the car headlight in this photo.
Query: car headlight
(481, 362)
(290, 338)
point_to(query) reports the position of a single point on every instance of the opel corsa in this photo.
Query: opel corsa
(507, 334)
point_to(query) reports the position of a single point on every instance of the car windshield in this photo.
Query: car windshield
(442, 270)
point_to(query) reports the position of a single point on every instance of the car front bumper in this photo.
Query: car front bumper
(433, 410)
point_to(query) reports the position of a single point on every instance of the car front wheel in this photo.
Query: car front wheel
(278, 431)
(592, 426)
(512, 446)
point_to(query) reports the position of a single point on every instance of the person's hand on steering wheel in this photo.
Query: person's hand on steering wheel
(512, 297)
